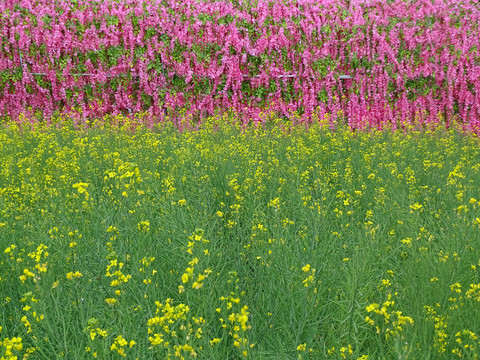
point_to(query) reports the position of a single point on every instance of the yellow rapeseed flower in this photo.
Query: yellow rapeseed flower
(74, 275)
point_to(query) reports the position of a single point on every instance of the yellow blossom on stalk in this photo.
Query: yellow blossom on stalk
(144, 226)
(416, 207)
(196, 285)
(27, 274)
(10, 345)
(302, 347)
(344, 351)
(27, 324)
(119, 345)
(386, 282)
(73, 275)
(275, 203)
(9, 249)
(242, 318)
(111, 301)
(82, 189)
(473, 292)
(214, 341)
(309, 279)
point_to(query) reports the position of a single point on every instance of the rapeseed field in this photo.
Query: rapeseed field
(238, 242)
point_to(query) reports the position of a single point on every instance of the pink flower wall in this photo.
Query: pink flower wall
(410, 61)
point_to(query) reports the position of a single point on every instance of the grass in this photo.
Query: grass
(229, 243)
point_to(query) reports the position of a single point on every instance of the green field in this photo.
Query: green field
(274, 242)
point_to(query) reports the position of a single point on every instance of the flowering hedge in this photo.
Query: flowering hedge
(411, 62)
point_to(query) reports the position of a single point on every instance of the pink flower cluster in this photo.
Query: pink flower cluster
(411, 62)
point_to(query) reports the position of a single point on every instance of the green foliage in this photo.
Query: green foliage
(323, 66)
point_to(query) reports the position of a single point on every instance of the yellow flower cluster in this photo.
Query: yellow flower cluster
(120, 344)
(146, 262)
(237, 323)
(189, 274)
(10, 347)
(440, 325)
(310, 273)
(174, 330)
(467, 344)
(473, 292)
(73, 275)
(388, 321)
(81, 187)
(119, 278)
